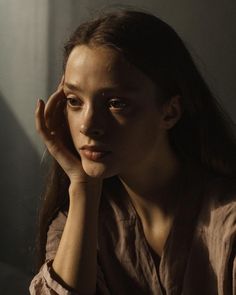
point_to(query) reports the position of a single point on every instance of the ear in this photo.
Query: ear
(171, 112)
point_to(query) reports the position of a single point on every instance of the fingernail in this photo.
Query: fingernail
(38, 102)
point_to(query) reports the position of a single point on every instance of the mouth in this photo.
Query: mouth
(94, 155)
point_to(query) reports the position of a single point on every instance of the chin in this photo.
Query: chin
(97, 170)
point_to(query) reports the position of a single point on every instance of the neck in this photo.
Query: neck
(155, 193)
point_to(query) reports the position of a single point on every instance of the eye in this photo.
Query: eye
(117, 104)
(74, 102)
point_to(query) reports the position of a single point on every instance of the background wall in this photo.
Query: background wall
(32, 35)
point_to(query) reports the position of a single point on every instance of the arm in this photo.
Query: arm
(76, 258)
(45, 282)
(74, 265)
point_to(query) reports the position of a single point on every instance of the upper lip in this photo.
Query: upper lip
(95, 148)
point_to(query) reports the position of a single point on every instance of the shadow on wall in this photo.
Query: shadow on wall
(20, 190)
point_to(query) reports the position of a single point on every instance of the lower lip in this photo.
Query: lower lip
(94, 156)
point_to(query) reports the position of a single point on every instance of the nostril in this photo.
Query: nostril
(91, 130)
(98, 132)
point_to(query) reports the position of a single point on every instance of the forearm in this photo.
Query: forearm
(76, 258)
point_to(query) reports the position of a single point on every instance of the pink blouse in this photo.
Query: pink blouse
(198, 257)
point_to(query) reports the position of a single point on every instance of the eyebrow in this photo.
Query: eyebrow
(72, 86)
(111, 88)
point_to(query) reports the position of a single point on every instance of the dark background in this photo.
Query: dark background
(32, 34)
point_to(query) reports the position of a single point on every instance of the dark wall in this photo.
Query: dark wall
(20, 183)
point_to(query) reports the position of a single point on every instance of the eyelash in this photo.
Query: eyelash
(71, 100)
(124, 104)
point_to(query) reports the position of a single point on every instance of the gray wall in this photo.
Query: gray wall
(32, 34)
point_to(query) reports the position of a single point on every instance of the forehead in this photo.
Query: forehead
(105, 66)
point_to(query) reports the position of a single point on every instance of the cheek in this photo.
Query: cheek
(139, 136)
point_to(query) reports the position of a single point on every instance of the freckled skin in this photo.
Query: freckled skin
(134, 135)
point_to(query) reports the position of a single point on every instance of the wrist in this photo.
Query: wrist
(85, 191)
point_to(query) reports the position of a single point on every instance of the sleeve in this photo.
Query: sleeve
(234, 277)
(44, 283)
(224, 243)
(228, 279)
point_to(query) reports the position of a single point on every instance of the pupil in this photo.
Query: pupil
(73, 101)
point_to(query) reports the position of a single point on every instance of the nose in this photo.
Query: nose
(93, 123)
(91, 131)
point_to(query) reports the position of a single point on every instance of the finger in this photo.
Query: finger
(49, 137)
(61, 82)
(54, 102)
(63, 156)
(40, 123)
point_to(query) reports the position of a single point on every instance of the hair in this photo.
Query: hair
(204, 135)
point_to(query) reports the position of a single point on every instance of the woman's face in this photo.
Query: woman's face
(112, 108)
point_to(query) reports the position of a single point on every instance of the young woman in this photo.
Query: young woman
(141, 194)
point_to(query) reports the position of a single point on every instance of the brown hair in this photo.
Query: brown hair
(204, 134)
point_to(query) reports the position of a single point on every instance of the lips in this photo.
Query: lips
(94, 153)
(94, 156)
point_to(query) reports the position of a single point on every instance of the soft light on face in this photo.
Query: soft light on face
(111, 105)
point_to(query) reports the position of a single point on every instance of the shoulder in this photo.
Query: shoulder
(217, 218)
(219, 204)
(216, 230)
(220, 200)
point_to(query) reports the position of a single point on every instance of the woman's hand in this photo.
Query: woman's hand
(51, 124)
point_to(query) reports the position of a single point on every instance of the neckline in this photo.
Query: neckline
(171, 269)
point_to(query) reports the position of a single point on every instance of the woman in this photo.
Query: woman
(141, 195)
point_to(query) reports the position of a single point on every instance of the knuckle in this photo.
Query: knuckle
(37, 112)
